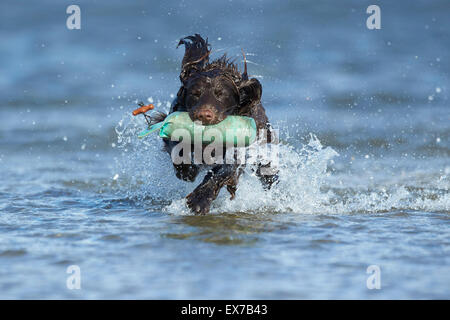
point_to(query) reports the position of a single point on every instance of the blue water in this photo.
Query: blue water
(364, 168)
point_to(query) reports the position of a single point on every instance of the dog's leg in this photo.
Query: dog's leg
(231, 188)
(267, 175)
(199, 200)
(183, 171)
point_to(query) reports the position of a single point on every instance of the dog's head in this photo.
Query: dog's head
(211, 96)
(213, 91)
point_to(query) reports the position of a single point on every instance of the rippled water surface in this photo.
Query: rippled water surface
(364, 163)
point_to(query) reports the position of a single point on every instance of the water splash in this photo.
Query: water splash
(144, 169)
(306, 184)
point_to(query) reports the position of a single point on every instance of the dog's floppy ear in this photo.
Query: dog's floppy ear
(180, 101)
(196, 55)
(250, 91)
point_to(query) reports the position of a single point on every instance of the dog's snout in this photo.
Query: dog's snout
(205, 116)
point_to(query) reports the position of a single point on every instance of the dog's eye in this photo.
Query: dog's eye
(218, 93)
(196, 94)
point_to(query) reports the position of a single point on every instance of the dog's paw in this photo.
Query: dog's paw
(199, 201)
(186, 172)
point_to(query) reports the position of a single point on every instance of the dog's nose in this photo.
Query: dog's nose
(205, 116)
